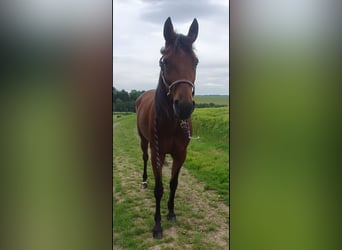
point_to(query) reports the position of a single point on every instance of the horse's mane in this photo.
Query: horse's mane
(162, 103)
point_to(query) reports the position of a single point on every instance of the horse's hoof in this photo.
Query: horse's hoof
(143, 185)
(171, 218)
(157, 234)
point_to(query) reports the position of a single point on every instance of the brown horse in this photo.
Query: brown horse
(163, 115)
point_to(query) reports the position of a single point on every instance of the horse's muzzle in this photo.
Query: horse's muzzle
(183, 110)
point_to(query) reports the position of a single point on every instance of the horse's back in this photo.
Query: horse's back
(144, 109)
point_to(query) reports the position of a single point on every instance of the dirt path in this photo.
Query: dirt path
(206, 203)
(207, 216)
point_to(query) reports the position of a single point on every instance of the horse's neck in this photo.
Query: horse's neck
(163, 105)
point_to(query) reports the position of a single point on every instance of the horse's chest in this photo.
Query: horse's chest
(173, 140)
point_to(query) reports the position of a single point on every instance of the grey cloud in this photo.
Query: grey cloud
(157, 11)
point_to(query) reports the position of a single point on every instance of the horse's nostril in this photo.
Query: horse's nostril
(176, 102)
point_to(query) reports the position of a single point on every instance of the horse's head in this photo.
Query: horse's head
(178, 68)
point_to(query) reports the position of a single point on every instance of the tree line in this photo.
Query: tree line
(125, 102)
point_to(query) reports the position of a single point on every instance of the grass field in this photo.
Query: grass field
(216, 99)
(201, 198)
(208, 157)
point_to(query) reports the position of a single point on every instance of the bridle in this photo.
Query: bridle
(170, 86)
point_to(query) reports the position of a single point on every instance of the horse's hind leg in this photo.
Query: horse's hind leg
(144, 148)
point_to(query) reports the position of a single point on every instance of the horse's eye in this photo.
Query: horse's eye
(196, 62)
(163, 62)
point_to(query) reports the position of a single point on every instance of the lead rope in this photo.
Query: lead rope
(156, 143)
(185, 126)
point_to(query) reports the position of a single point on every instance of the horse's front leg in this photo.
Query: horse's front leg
(176, 166)
(158, 194)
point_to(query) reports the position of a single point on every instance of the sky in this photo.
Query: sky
(138, 38)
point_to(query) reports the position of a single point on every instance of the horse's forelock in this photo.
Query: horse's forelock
(183, 42)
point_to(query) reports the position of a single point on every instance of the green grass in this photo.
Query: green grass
(207, 157)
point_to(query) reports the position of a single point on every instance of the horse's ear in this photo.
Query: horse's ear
(193, 31)
(169, 33)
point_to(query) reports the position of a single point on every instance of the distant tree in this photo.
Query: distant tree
(120, 106)
(134, 94)
(114, 94)
(123, 95)
(124, 101)
(131, 106)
